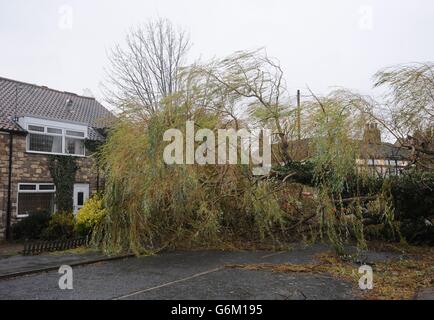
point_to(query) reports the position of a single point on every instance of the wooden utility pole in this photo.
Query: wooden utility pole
(298, 115)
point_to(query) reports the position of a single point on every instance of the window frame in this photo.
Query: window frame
(65, 136)
(45, 133)
(61, 126)
(37, 190)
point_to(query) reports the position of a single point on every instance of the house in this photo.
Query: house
(373, 155)
(378, 157)
(35, 123)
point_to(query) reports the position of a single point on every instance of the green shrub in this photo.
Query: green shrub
(413, 194)
(60, 227)
(300, 171)
(90, 215)
(31, 227)
(413, 200)
(413, 206)
(420, 231)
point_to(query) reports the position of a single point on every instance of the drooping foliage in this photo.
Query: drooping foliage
(151, 205)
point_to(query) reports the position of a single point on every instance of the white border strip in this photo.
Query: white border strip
(169, 283)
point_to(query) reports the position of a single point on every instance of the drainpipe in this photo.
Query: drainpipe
(97, 178)
(9, 205)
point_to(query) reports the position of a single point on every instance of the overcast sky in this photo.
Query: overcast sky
(320, 43)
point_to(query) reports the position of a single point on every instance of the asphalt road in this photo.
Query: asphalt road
(184, 275)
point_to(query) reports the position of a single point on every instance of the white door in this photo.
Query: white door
(81, 194)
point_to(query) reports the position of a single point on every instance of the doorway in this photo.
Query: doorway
(81, 194)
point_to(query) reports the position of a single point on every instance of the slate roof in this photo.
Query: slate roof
(303, 149)
(39, 101)
(383, 150)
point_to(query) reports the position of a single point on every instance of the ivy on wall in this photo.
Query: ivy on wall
(63, 169)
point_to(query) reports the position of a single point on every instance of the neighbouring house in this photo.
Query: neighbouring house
(373, 155)
(37, 122)
(378, 157)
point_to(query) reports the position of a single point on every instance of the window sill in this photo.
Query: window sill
(56, 154)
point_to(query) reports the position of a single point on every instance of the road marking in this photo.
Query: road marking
(168, 283)
(272, 254)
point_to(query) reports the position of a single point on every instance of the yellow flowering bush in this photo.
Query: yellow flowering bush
(90, 215)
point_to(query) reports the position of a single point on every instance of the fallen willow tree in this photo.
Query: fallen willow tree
(151, 205)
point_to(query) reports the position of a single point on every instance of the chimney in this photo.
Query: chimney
(372, 134)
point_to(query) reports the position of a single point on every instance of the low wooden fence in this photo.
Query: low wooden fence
(34, 248)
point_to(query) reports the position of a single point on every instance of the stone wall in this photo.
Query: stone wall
(29, 167)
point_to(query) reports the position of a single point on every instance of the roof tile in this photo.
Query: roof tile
(24, 99)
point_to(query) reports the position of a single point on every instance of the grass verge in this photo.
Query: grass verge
(396, 279)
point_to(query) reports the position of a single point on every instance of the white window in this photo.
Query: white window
(379, 162)
(402, 163)
(53, 137)
(74, 142)
(44, 139)
(34, 198)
